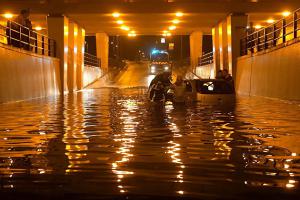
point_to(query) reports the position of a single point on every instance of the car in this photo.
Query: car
(159, 62)
(213, 91)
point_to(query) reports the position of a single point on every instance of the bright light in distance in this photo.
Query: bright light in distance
(270, 21)
(116, 14)
(167, 34)
(131, 34)
(8, 15)
(175, 21)
(286, 13)
(38, 28)
(179, 14)
(257, 26)
(125, 28)
(172, 28)
(120, 22)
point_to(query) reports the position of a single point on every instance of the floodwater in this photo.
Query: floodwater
(111, 143)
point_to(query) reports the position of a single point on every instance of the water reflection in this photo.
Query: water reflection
(116, 139)
(129, 109)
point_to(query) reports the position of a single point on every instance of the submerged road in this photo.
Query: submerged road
(108, 142)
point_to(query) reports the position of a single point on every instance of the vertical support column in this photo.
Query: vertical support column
(80, 58)
(220, 34)
(72, 56)
(102, 48)
(58, 28)
(236, 24)
(196, 40)
(225, 35)
(216, 50)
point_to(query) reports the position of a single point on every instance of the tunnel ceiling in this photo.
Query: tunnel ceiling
(149, 17)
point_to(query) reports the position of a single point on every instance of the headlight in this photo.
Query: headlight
(153, 69)
(166, 68)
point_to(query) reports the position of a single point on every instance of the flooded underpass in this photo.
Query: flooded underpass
(111, 143)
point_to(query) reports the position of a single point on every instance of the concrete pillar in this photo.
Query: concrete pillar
(58, 29)
(220, 47)
(216, 50)
(226, 42)
(196, 40)
(80, 58)
(236, 24)
(72, 57)
(102, 42)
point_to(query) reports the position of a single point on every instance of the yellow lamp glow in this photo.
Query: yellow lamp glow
(120, 22)
(286, 13)
(175, 21)
(179, 14)
(116, 14)
(172, 28)
(270, 21)
(8, 15)
(38, 28)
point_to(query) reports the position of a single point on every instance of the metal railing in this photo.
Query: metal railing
(22, 37)
(91, 60)
(206, 59)
(278, 33)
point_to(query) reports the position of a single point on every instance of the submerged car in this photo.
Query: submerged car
(159, 62)
(213, 91)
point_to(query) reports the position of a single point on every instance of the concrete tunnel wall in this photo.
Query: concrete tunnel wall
(273, 73)
(24, 75)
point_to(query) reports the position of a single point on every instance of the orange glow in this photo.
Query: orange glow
(286, 13)
(175, 21)
(8, 15)
(38, 28)
(125, 28)
(120, 22)
(257, 26)
(179, 14)
(116, 14)
(172, 28)
(270, 21)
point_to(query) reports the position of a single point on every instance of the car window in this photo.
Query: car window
(215, 87)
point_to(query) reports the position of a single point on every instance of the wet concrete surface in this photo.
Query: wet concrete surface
(109, 142)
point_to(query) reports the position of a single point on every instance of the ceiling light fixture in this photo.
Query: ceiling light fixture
(125, 28)
(38, 28)
(116, 14)
(179, 14)
(257, 26)
(120, 22)
(171, 28)
(270, 21)
(286, 13)
(175, 21)
(8, 15)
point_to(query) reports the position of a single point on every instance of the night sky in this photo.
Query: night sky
(129, 47)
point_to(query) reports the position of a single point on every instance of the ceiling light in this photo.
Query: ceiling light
(125, 28)
(175, 21)
(257, 26)
(116, 14)
(172, 28)
(8, 15)
(179, 14)
(169, 34)
(270, 21)
(286, 13)
(120, 22)
(38, 28)
(131, 34)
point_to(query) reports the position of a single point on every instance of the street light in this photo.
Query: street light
(8, 15)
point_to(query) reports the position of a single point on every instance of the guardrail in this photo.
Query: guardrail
(22, 37)
(91, 60)
(278, 33)
(206, 59)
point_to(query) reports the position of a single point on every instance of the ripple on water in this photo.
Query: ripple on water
(111, 142)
